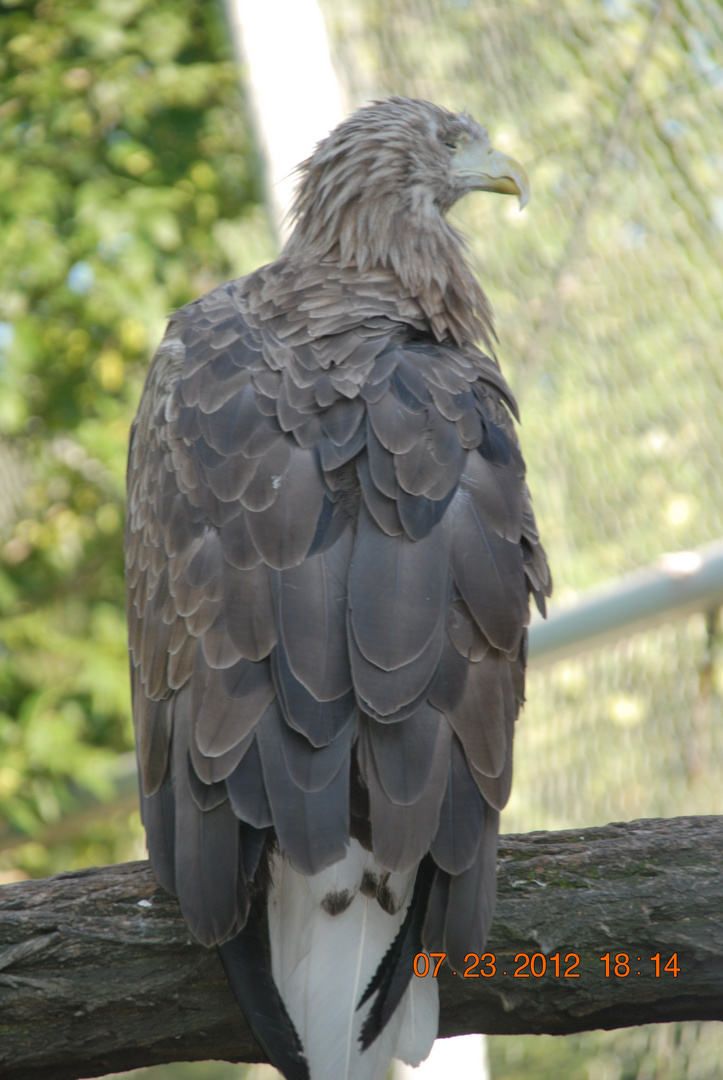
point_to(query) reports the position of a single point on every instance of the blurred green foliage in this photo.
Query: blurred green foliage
(128, 186)
(690, 1051)
(198, 1070)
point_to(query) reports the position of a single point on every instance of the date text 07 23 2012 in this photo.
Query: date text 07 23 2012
(620, 965)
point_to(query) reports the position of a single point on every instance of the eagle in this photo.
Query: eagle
(330, 550)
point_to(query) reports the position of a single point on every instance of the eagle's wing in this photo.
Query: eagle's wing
(330, 547)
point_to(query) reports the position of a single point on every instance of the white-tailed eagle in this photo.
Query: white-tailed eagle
(330, 550)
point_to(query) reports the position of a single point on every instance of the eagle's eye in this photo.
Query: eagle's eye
(450, 144)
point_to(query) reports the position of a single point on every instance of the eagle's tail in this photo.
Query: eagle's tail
(329, 935)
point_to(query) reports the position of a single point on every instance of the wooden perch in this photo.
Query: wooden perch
(98, 972)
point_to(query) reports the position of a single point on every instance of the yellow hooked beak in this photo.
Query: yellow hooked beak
(490, 170)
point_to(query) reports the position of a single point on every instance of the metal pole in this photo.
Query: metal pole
(676, 586)
(291, 84)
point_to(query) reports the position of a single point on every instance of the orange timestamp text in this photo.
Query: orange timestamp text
(536, 965)
(621, 964)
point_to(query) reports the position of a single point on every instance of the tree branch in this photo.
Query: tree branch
(98, 972)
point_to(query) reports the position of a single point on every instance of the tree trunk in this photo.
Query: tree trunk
(98, 972)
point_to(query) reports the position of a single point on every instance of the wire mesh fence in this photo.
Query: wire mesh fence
(608, 294)
(627, 731)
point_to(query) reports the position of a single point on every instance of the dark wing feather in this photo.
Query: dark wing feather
(460, 819)
(397, 600)
(496, 789)
(247, 789)
(480, 716)
(206, 796)
(238, 547)
(383, 509)
(311, 602)
(404, 753)
(402, 833)
(397, 593)
(211, 770)
(488, 569)
(227, 703)
(158, 813)
(313, 768)
(154, 722)
(471, 898)
(342, 420)
(381, 465)
(284, 531)
(312, 827)
(419, 514)
(249, 610)
(319, 721)
(392, 696)
(481, 499)
(397, 428)
(206, 847)
(436, 916)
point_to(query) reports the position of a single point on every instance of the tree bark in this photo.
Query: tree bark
(98, 972)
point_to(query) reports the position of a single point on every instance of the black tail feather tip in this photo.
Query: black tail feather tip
(247, 970)
(394, 973)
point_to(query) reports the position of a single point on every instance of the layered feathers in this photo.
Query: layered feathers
(330, 547)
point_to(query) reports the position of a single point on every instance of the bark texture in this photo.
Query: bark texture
(98, 972)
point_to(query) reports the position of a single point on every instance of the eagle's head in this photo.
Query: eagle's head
(375, 193)
(412, 155)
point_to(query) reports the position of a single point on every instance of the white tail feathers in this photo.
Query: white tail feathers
(322, 964)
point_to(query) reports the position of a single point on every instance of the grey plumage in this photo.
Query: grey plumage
(330, 547)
